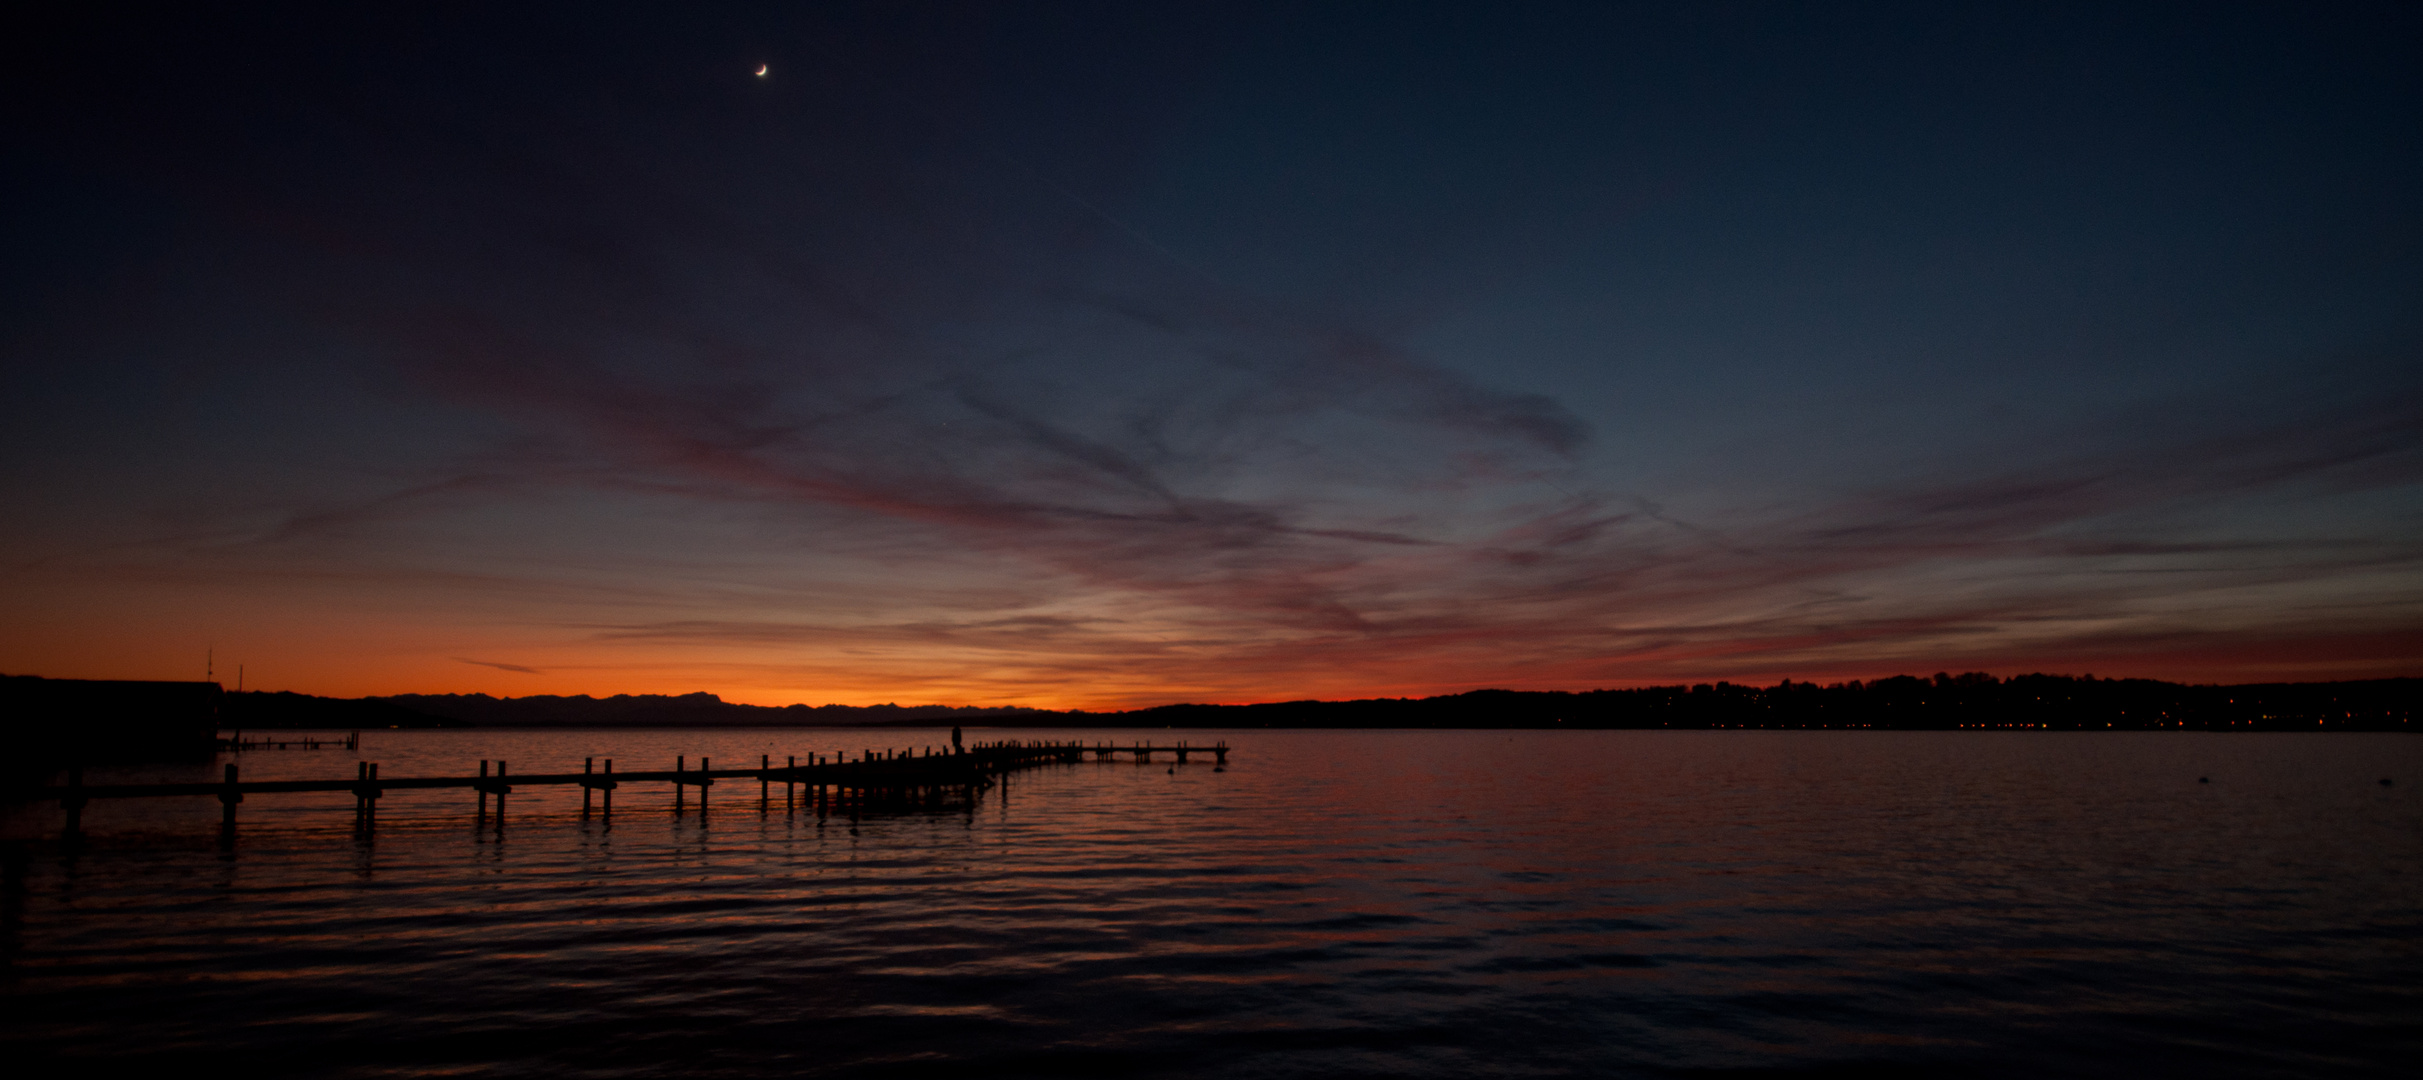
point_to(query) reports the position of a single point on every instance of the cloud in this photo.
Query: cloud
(517, 668)
(1234, 531)
(1196, 477)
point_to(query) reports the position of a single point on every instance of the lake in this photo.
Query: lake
(1331, 904)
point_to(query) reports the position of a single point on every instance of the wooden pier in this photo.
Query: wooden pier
(823, 782)
(1145, 751)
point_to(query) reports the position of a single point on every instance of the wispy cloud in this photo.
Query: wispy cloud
(1256, 510)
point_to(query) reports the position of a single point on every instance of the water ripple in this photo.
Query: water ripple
(1331, 904)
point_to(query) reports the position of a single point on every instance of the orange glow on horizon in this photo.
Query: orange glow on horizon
(356, 661)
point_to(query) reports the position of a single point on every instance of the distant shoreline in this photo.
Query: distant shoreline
(1942, 703)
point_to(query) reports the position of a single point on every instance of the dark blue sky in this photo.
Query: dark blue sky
(1097, 355)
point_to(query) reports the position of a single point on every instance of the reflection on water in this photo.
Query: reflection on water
(1332, 904)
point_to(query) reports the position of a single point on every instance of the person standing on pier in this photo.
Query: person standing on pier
(954, 738)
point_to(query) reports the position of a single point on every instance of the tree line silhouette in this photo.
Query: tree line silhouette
(1945, 702)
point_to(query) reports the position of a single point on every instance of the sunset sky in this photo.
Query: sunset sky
(1076, 355)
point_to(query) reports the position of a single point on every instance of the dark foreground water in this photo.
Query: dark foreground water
(1332, 904)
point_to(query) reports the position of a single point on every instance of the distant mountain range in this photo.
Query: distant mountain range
(1944, 702)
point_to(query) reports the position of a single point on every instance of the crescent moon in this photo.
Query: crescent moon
(761, 71)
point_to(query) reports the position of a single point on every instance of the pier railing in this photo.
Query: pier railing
(236, 741)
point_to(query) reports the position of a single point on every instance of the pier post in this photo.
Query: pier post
(790, 785)
(228, 800)
(703, 781)
(588, 765)
(365, 796)
(678, 794)
(482, 817)
(73, 803)
(764, 762)
(609, 788)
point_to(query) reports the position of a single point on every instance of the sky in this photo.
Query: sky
(1111, 355)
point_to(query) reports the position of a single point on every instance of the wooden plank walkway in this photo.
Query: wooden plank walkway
(833, 780)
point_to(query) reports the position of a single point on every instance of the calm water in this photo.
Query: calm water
(1332, 904)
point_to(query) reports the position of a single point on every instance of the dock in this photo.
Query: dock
(823, 782)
